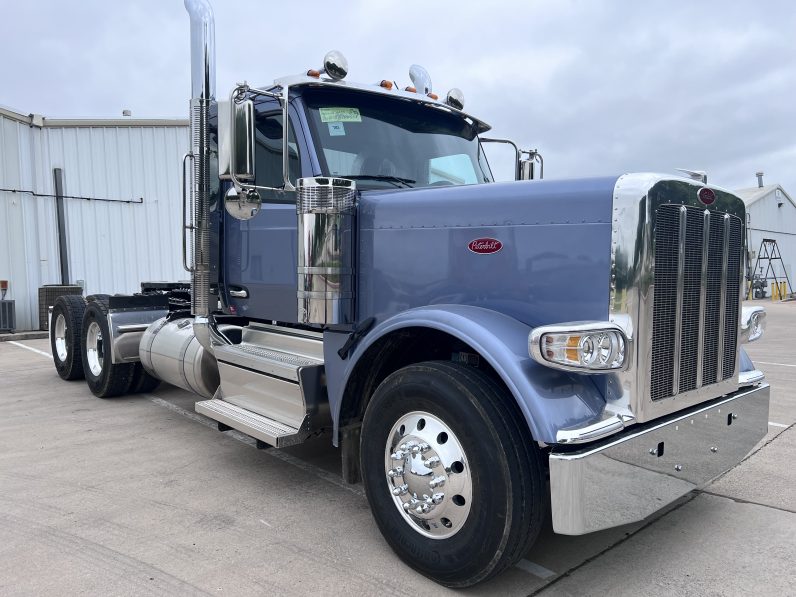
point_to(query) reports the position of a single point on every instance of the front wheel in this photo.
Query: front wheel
(452, 475)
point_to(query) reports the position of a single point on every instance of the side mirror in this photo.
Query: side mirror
(236, 157)
(526, 169)
(527, 164)
(236, 140)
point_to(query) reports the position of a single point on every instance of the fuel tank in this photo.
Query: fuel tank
(170, 351)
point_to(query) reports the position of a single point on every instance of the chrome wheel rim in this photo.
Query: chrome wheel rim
(60, 337)
(428, 475)
(94, 354)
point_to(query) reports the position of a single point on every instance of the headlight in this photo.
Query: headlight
(588, 347)
(753, 323)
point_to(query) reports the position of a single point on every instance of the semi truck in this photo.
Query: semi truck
(486, 356)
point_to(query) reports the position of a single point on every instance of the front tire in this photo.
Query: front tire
(452, 475)
(104, 378)
(65, 334)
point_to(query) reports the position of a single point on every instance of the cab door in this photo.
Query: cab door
(260, 254)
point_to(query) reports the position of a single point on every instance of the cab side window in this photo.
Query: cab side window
(268, 151)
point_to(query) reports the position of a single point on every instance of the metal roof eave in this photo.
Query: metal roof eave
(39, 121)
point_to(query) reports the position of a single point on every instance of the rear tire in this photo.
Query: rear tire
(459, 522)
(104, 379)
(65, 336)
(142, 381)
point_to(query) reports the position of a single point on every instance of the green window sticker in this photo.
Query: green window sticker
(340, 115)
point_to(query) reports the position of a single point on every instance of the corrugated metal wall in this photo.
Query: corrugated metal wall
(768, 220)
(112, 246)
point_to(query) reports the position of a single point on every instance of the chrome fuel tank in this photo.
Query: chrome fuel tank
(170, 351)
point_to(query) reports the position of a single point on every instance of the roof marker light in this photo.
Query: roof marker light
(433, 96)
(455, 98)
(335, 65)
(386, 84)
(410, 89)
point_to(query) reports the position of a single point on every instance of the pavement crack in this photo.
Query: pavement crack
(743, 501)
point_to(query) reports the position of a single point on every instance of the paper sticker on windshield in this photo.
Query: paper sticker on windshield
(336, 129)
(340, 115)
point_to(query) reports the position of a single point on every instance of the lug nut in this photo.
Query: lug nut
(420, 448)
(398, 455)
(400, 489)
(422, 508)
(437, 482)
(398, 471)
(437, 498)
(432, 462)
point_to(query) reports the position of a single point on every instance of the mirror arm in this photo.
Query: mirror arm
(516, 152)
(285, 138)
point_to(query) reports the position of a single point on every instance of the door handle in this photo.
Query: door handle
(239, 293)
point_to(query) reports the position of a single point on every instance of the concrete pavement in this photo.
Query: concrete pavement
(139, 495)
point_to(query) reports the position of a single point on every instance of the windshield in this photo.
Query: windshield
(390, 142)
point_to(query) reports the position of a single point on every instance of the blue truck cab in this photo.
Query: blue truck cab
(486, 356)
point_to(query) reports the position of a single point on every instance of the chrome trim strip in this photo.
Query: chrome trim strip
(630, 476)
(703, 291)
(135, 327)
(725, 254)
(678, 317)
(607, 426)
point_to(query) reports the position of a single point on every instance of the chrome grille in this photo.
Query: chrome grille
(697, 260)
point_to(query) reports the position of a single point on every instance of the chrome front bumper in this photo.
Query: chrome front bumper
(627, 477)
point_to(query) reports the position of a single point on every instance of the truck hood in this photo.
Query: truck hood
(551, 261)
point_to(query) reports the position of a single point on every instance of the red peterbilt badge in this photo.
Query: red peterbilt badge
(484, 246)
(706, 196)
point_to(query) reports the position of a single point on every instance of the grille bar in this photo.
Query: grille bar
(697, 262)
(678, 312)
(725, 250)
(703, 292)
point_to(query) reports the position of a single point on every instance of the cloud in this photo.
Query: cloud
(600, 87)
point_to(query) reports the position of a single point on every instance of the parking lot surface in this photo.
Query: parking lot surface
(140, 495)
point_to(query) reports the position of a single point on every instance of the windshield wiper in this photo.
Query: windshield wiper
(397, 181)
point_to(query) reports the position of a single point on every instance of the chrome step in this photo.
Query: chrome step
(283, 339)
(266, 359)
(257, 426)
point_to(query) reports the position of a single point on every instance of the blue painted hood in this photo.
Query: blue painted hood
(554, 264)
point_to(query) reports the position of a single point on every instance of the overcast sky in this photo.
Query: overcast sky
(599, 87)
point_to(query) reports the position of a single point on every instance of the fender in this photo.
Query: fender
(549, 399)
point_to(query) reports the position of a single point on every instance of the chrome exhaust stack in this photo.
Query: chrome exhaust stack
(203, 92)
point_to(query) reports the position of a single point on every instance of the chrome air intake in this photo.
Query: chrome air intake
(326, 210)
(203, 84)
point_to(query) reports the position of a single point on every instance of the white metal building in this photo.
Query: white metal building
(771, 213)
(122, 213)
